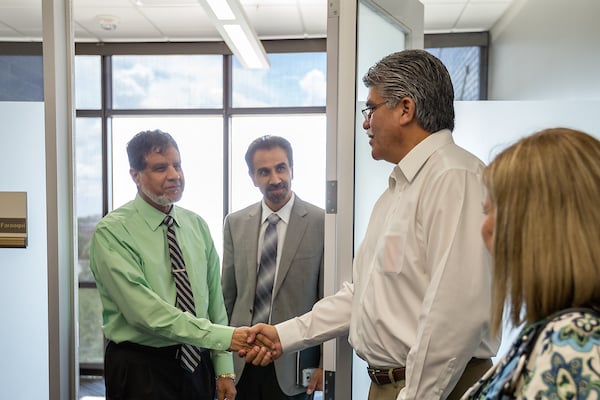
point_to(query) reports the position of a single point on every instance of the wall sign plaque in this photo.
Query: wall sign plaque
(13, 219)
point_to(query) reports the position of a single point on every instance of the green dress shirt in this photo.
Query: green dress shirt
(130, 262)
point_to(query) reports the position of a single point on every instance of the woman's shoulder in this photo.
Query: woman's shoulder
(578, 329)
(564, 357)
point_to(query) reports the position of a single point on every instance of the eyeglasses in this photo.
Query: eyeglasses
(369, 110)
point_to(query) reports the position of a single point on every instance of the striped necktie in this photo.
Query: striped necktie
(189, 355)
(266, 272)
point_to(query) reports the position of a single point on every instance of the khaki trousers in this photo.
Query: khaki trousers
(473, 371)
(385, 392)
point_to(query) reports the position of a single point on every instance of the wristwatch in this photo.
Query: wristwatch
(229, 376)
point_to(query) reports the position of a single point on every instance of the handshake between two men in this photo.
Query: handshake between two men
(259, 345)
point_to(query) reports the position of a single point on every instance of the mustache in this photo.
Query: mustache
(280, 185)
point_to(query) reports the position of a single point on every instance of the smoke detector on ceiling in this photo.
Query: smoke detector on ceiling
(107, 22)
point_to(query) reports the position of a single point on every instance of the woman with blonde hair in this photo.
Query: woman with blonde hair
(542, 228)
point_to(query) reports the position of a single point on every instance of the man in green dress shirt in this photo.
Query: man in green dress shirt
(131, 263)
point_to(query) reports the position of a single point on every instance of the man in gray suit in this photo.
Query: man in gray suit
(297, 270)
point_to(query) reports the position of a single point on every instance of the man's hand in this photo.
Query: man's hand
(243, 341)
(226, 389)
(316, 381)
(262, 355)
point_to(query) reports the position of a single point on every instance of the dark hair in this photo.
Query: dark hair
(420, 76)
(268, 142)
(145, 142)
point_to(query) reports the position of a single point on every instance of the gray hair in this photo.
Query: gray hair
(420, 76)
(145, 142)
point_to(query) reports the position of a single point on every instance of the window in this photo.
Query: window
(294, 80)
(88, 83)
(213, 108)
(465, 57)
(167, 82)
(200, 142)
(88, 210)
(21, 78)
(305, 132)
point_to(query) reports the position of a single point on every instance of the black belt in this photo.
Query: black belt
(385, 376)
(165, 352)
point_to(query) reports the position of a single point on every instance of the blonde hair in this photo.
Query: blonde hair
(545, 191)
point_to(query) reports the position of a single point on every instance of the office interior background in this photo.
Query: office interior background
(517, 66)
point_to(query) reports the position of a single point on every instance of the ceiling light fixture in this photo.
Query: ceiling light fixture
(245, 51)
(231, 21)
(221, 9)
(107, 22)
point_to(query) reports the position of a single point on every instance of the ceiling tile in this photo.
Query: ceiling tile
(131, 24)
(272, 19)
(22, 19)
(314, 17)
(428, 3)
(442, 16)
(481, 16)
(263, 3)
(275, 21)
(165, 3)
(5, 31)
(182, 22)
(103, 3)
(21, 4)
(83, 35)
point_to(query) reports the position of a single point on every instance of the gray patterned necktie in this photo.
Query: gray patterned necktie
(266, 272)
(189, 355)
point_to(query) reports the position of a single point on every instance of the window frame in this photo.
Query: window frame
(107, 50)
(466, 39)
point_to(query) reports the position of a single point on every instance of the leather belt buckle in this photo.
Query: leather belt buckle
(385, 376)
(373, 375)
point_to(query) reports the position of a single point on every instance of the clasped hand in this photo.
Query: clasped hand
(259, 345)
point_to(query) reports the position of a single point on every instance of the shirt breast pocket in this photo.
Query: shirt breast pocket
(393, 253)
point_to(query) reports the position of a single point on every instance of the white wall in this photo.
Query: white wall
(544, 58)
(23, 272)
(546, 50)
(487, 127)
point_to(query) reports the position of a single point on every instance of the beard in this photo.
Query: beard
(277, 198)
(162, 200)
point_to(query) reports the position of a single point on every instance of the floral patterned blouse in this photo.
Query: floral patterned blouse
(557, 358)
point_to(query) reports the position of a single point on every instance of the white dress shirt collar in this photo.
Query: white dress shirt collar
(411, 164)
(284, 212)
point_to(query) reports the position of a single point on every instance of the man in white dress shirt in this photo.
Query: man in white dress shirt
(418, 308)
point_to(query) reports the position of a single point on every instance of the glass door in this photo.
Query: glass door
(360, 32)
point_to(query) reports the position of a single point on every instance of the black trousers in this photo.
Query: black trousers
(260, 383)
(136, 372)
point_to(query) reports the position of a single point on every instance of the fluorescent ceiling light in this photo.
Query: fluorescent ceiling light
(229, 18)
(245, 51)
(221, 9)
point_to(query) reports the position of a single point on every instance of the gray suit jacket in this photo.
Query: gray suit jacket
(299, 281)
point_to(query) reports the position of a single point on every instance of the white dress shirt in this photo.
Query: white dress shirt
(421, 291)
